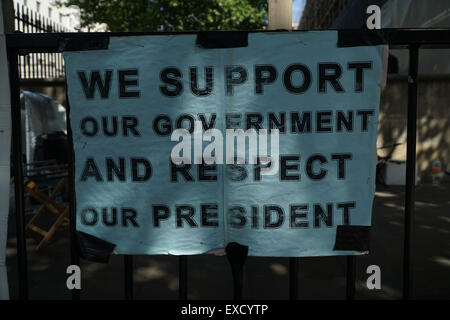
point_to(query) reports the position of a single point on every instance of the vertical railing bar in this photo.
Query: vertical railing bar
(410, 170)
(59, 57)
(57, 60)
(74, 256)
(38, 55)
(128, 271)
(35, 59)
(53, 61)
(18, 174)
(55, 67)
(17, 27)
(182, 278)
(30, 30)
(26, 29)
(16, 16)
(46, 55)
(351, 277)
(27, 59)
(293, 278)
(49, 55)
(58, 66)
(20, 27)
(61, 66)
(33, 30)
(26, 20)
(33, 55)
(41, 55)
(237, 255)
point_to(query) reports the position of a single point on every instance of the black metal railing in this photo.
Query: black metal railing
(409, 39)
(38, 65)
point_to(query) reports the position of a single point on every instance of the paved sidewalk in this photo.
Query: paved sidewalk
(209, 277)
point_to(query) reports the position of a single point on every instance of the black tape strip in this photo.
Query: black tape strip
(94, 249)
(236, 253)
(355, 238)
(356, 38)
(88, 43)
(219, 39)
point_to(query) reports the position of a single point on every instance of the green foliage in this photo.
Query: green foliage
(172, 15)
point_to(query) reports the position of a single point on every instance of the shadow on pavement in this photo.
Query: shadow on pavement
(209, 277)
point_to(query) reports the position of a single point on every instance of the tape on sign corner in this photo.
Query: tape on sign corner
(236, 253)
(94, 249)
(354, 238)
(222, 39)
(356, 38)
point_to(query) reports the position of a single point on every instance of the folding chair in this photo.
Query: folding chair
(47, 175)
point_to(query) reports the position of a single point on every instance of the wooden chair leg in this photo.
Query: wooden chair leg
(52, 230)
(48, 202)
(35, 216)
(40, 211)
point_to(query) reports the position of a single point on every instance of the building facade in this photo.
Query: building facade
(433, 129)
(67, 18)
(321, 14)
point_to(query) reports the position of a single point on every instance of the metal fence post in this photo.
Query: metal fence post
(182, 277)
(237, 254)
(410, 170)
(128, 264)
(293, 278)
(18, 174)
(351, 277)
(74, 255)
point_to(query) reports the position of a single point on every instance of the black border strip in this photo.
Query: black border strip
(356, 38)
(58, 42)
(94, 249)
(217, 39)
(355, 238)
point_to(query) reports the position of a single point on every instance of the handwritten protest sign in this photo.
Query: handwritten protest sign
(181, 149)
